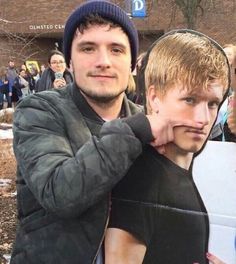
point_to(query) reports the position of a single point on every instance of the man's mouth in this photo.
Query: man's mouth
(102, 75)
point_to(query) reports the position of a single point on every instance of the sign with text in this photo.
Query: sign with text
(138, 8)
(47, 27)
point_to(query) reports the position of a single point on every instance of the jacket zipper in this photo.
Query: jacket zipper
(104, 230)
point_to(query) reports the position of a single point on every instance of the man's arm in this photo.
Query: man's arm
(123, 248)
(65, 181)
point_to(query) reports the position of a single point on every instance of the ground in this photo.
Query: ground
(8, 226)
(7, 198)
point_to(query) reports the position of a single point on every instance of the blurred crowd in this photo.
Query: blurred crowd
(18, 82)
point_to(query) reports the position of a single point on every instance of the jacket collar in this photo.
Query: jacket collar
(88, 112)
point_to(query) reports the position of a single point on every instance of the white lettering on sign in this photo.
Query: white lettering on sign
(138, 5)
(46, 27)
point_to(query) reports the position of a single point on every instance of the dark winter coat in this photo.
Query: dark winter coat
(65, 174)
(4, 87)
(17, 93)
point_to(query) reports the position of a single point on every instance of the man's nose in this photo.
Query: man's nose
(103, 59)
(202, 114)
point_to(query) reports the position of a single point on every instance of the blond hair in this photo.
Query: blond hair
(188, 58)
(131, 84)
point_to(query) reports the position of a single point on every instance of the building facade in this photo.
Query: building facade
(30, 29)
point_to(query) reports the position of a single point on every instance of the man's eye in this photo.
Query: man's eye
(213, 104)
(117, 50)
(87, 49)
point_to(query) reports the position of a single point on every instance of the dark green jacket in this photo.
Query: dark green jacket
(65, 175)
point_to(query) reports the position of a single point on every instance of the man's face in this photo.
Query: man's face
(11, 64)
(42, 68)
(101, 62)
(57, 63)
(23, 67)
(22, 73)
(200, 106)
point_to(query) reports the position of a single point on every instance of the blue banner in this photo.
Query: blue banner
(138, 8)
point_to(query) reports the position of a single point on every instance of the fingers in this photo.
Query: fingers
(162, 136)
(160, 149)
(213, 259)
(187, 123)
(59, 83)
(162, 131)
(162, 128)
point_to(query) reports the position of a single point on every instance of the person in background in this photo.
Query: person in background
(11, 76)
(232, 115)
(221, 131)
(230, 51)
(230, 125)
(21, 85)
(140, 93)
(131, 89)
(135, 91)
(42, 69)
(29, 77)
(157, 213)
(4, 88)
(38, 74)
(67, 162)
(230, 108)
(56, 75)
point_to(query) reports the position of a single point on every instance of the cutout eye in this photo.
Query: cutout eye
(213, 104)
(189, 100)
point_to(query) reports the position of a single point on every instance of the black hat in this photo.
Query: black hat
(108, 11)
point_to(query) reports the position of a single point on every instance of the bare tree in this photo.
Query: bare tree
(190, 10)
(21, 46)
(19, 42)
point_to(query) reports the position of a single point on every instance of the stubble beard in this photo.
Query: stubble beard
(100, 99)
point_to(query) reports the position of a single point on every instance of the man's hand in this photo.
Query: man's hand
(163, 129)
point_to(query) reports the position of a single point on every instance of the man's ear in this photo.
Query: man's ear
(153, 99)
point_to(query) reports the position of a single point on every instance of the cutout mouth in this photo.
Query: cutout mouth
(195, 131)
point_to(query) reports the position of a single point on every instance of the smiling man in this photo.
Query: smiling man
(157, 213)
